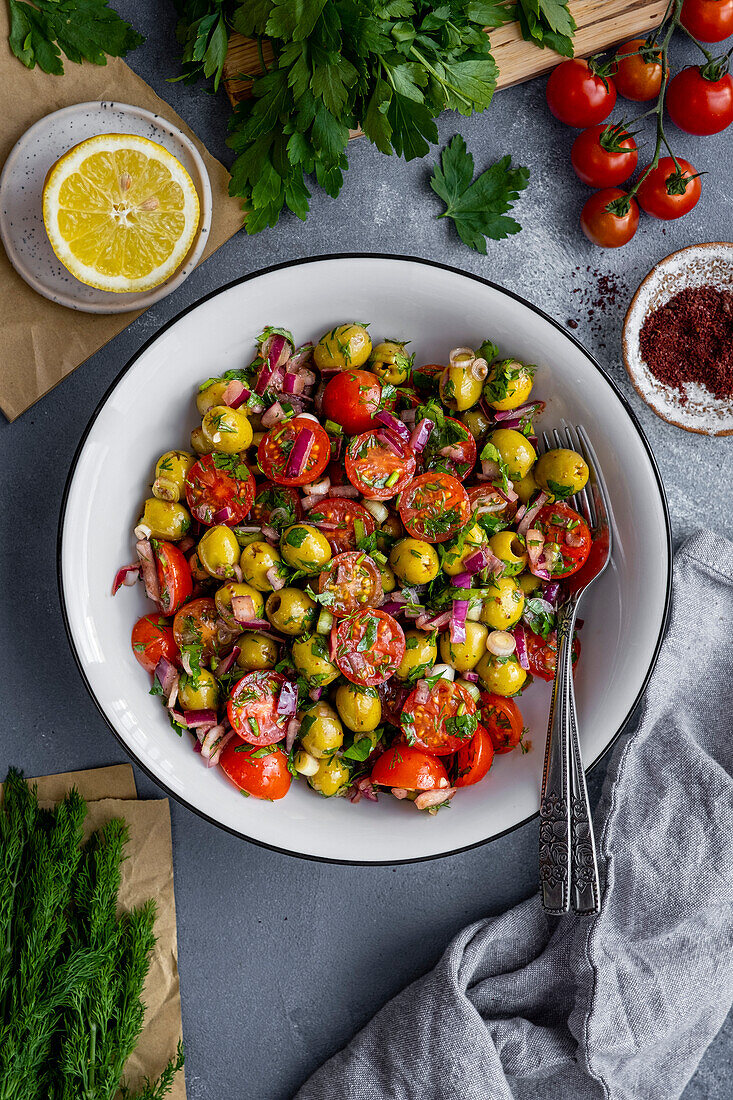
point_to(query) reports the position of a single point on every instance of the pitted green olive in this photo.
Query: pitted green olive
(464, 656)
(218, 551)
(226, 429)
(199, 692)
(256, 651)
(460, 389)
(529, 583)
(421, 653)
(510, 549)
(305, 547)
(211, 396)
(468, 543)
(388, 533)
(390, 362)
(359, 707)
(508, 384)
(414, 561)
(291, 611)
(501, 675)
(310, 657)
(165, 519)
(525, 487)
(344, 346)
(389, 581)
(561, 472)
(224, 595)
(516, 451)
(478, 425)
(199, 442)
(503, 607)
(331, 778)
(256, 561)
(321, 732)
(170, 475)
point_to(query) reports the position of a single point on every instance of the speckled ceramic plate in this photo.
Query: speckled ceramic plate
(21, 187)
(697, 410)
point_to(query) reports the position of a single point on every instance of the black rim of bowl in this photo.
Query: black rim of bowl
(299, 263)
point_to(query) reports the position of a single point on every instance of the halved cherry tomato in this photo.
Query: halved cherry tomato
(708, 20)
(408, 769)
(434, 507)
(487, 500)
(342, 522)
(220, 489)
(252, 708)
(603, 156)
(275, 449)
(567, 538)
(174, 576)
(392, 695)
(379, 464)
(698, 105)
(352, 582)
(351, 399)
(368, 647)
(638, 75)
(503, 721)
(444, 722)
(450, 448)
(265, 776)
(542, 653)
(473, 760)
(275, 505)
(152, 638)
(604, 227)
(577, 96)
(667, 193)
(195, 624)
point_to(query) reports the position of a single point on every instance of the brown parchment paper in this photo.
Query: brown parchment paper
(41, 342)
(146, 873)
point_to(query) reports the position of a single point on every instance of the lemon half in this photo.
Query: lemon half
(121, 212)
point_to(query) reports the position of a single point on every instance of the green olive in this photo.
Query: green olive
(310, 657)
(227, 430)
(459, 387)
(508, 384)
(359, 707)
(224, 595)
(170, 475)
(510, 549)
(218, 551)
(478, 425)
(420, 655)
(464, 656)
(528, 583)
(199, 442)
(344, 346)
(561, 472)
(390, 363)
(525, 487)
(200, 692)
(211, 396)
(388, 533)
(389, 581)
(516, 451)
(331, 778)
(305, 547)
(501, 675)
(165, 519)
(459, 549)
(256, 651)
(291, 611)
(414, 561)
(321, 732)
(504, 607)
(256, 560)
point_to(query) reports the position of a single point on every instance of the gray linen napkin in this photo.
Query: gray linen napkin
(622, 1005)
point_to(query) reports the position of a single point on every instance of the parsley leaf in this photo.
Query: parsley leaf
(547, 23)
(479, 208)
(83, 30)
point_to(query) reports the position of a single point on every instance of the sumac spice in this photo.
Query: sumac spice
(690, 339)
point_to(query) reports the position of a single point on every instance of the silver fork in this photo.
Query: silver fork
(568, 865)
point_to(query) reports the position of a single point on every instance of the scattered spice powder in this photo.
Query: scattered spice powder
(690, 339)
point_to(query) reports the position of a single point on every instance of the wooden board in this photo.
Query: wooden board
(601, 23)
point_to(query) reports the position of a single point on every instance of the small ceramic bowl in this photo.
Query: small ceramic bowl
(21, 187)
(699, 265)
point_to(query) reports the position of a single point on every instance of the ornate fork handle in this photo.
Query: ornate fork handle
(586, 894)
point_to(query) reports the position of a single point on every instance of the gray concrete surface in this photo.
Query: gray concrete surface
(281, 960)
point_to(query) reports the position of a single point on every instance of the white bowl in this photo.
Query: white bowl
(150, 409)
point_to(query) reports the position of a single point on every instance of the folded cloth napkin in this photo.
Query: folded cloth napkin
(622, 1005)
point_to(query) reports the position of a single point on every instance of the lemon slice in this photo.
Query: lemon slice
(121, 212)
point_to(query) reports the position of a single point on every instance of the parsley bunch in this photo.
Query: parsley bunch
(84, 30)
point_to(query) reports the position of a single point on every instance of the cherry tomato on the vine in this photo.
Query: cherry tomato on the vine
(604, 155)
(638, 74)
(708, 20)
(667, 193)
(698, 105)
(607, 228)
(577, 96)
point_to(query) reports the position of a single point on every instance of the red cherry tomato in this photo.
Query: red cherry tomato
(639, 76)
(301, 435)
(708, 20)
(343, 522)
(567, 538)
(487, 500)
(276, 506)
(264, 777)
(351, 399)
(252, 708)
(667, 193)
(473, 760)
(700, 106)
(174, 576)
(220, 486)
(602, 226)
(392, 695)
(443, 722)
(368, 647)
(503, 721)
(352, 582)
(196, 624)
(434, 507)
(542, 654)
(450, 448)
(577, 96)
(408, 769)
(379, 464)
(152, 638)
(603, 156)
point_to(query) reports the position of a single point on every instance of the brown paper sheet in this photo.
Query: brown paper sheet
(42, 342)
(146, 873)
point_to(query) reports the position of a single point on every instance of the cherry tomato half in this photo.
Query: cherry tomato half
(195, 624)
(567, 538)
(502, 720)
(638, 76)
(708, 20)
(577, 96)
(444, 722)
(252, 708)
(275, 506)
(392, 695)
(450, 448)
(264, 777)
(700, 106)
(220, 489)
(434, 507)
(174, 576)
(368, 647)
(408, 769)
(351, 399)
(152, 638)
(667, 193)
(473, 760)
(343, 522)
(301, 436)
(352, 581)
(603, 156)
(542, 654)
(487, 500)
(379, 464)
(602, 226)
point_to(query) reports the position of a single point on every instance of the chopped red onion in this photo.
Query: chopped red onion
(392, 608)
(315, 694)
(266, 372)
(394, 424)
(185, 544)
(535, 542)
(453, 452)
(462, 580)
(218, 746)
(508, 494)
(400, 793)
(574, 538)
(127, 575)
(226, 663)
(531, 409)
(235, 394)
(474, 563)
(301, 355)
(292, 732)
(196, 718)
(390, 443)
(409, 417)
(274, 578)
(479, 369)
(364, 789)
(274, 415)
(422, 692)
(293, 383)
(178, 716)
(271, 534)
(428, 799)
(318, 398)
(520, 637)
(346, 491)
(255, 624)
(276, 349)
(298, 457)
(458, 622)
(530, 514)
(551, 592)
(318, 488)
(288, 700)
(490, 468)
(486, 408)
(421, 435)
(166, 675)
(332, 645)
(433, 622)
(243, 608)
(149, 571)
(472, 677)
(223, 515)
(197, 746)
